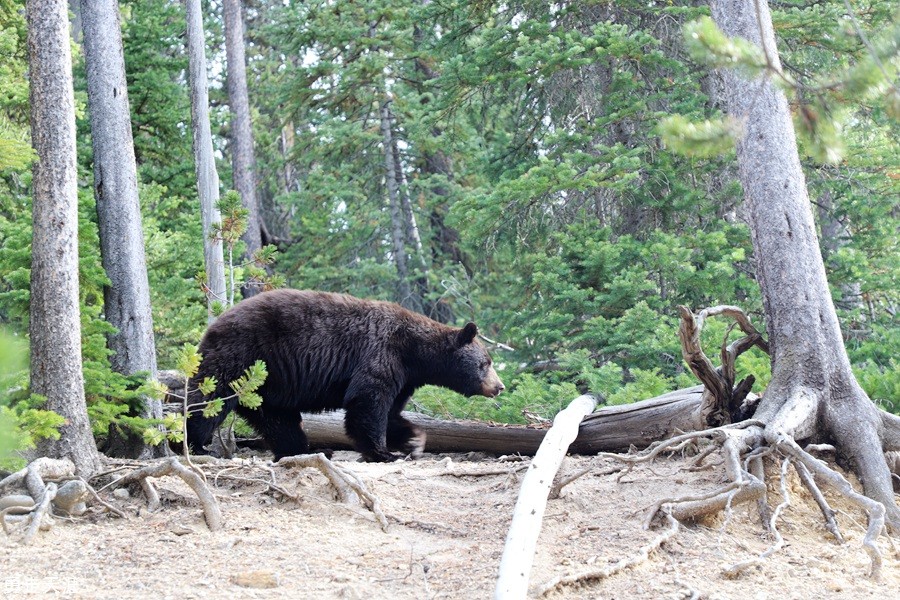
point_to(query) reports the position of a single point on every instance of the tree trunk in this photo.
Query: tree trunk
(813, 392)
(204, 161)
(411, 227)
(242, 158)
(409, 217)
(407, 298)
(127, 298)
(287, 147)
(55, 326)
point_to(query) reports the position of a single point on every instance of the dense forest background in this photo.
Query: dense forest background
(496, 162)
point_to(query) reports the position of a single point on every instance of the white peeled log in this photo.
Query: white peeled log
(518, 553)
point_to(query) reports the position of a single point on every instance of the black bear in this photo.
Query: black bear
(326, 351)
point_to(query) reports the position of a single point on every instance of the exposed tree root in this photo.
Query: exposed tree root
(631, 561)
(40, 512)
(32, 511)
(172, 466)
(757, 469)
(874, 509)
(345, 482)
(807, 479)
(743, 446)
(560, 482)
(42, 494)
(737, 568)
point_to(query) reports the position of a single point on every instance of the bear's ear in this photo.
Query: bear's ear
(467, 334)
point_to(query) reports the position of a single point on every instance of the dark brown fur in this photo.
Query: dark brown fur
(327, 351)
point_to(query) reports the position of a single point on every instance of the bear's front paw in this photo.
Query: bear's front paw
(415, 446)
(380, 456)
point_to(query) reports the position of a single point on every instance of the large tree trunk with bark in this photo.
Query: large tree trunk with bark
(813, 393)
(55, 326)
(242, 158)
(204, 161)
(127, 297)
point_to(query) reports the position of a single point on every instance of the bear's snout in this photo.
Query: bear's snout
(492, 386)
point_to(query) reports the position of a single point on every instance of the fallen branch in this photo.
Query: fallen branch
(609, 429)
(518, 552)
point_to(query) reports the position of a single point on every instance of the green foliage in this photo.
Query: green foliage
(12, 435)
(109, 395)
(15, 151)
(875, 364)
(22, 421)
(706, 43)
(882, 384)
(705, 139)
(246, 385)
(14, 154)
(250, 272)
(234, 219)
(646, 384)
(212, 408)
(174, 249)
(244, 388)
(188, 361)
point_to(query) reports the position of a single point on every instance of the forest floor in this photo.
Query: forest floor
(448, 520)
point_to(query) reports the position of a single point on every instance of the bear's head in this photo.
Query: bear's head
(472, 368)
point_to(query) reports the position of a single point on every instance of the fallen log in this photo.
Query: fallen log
(610, 429)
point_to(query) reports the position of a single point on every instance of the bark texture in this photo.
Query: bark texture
(127, 298)
(242, 156)
(204, 161)
(813, 391)
(55, 326)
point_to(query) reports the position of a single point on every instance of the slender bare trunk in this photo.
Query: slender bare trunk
(813, 391)
(407, 298)
(55, 326)
(204, 160)
(287, 146)
(242, 157)
(409, 216)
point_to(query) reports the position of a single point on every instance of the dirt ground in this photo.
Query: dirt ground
(448, 520)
